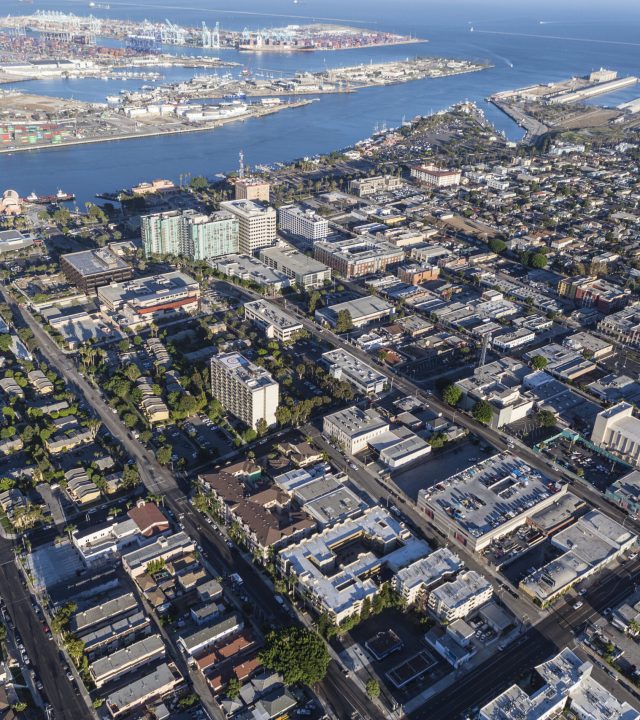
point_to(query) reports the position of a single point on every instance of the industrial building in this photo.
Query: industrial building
(303, 270)
(276, 323)
(90, 269)
(487, 501)
(244, 389)
(357, 257)
(257, 224)
(363, 310)
(592, 542)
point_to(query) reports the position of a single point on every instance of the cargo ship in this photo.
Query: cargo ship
(48, 199)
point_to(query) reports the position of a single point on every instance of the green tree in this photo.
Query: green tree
(538, 260)
(539, 362)
(546, 418)
(314, 300)
(5, 342)
(373, 688)
(497, 245)
(452, 395)
(298, 653)
(130, 420)
(344, 321)
(233, 688)
(163, 455)
(132, 371)
(482, 412)
(261, 427)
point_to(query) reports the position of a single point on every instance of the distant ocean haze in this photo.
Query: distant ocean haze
(526, 42)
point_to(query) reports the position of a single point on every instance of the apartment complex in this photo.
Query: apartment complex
(436, 177)
(303, 270)
(623, 326)
(148, 299)
(257, 224)
(376, 184)
(244, 389)
(252, 188)
(593, 292)
(457, 599)
(90, 269)
(304, 223)
(330, 580)
(418, 579)
(357, 257)
(275, 322)
(189, 233)
(616, 429)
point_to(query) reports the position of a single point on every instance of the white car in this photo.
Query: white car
(577, 605)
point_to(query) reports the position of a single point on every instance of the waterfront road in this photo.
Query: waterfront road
(42, 651)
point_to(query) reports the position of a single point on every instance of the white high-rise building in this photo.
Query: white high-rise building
(244, 389)
(304, 223)
(257, 224)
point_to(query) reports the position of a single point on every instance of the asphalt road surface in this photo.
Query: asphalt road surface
(159, 480)
(42, 651)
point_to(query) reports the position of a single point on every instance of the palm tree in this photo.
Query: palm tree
(70, 529)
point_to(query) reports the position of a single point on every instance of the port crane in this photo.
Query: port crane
(211, 38)
(172, 34)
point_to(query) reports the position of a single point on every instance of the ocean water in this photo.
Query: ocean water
(525, 42)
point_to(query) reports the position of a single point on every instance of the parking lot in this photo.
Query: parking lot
(530, 561)
(207, 435)
(451, 459)
(595, 467)
(413, 653)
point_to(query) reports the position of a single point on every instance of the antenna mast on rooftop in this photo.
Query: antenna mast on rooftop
(241, 168)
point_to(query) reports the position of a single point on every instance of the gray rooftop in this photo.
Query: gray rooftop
(91, 262)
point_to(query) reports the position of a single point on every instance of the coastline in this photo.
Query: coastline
(178, 131)
(277, 49)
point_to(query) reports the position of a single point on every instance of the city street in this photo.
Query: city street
(42, 651)
(159, 480)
